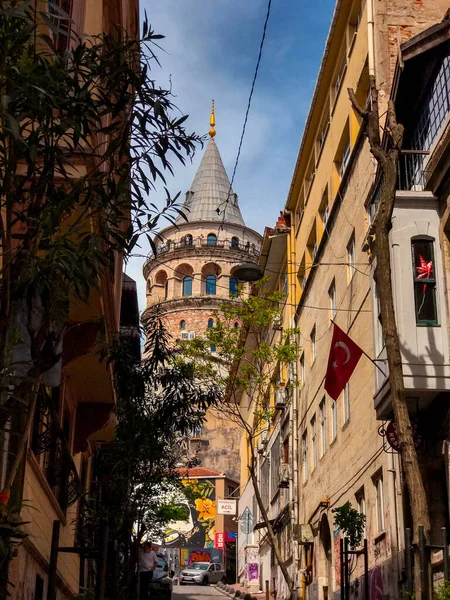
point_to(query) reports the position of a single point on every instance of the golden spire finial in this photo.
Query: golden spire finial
(212, 121)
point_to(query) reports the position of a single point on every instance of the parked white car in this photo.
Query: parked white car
(202, 573)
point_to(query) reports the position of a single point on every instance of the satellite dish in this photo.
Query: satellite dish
(247, 272)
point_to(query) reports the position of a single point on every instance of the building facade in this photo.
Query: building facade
(189, 277)
(72, 418)
(340, 449)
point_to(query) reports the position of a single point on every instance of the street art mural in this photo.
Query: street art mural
(198, 529)
(252, 560)
(193, 555)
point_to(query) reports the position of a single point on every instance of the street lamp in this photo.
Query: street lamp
(247, 271)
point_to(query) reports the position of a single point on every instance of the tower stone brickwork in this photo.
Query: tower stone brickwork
(190, 276)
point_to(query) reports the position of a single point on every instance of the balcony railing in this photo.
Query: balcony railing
(202, 242)
(57, 464)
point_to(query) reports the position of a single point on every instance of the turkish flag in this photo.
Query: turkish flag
(344, 356)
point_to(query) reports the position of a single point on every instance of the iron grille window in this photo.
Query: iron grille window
(424, 282)
(433, 112)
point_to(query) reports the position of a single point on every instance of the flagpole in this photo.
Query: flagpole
(365, 354)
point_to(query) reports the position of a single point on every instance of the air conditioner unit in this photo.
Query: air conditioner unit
(284, 475)
(277, 323)
(280, 398)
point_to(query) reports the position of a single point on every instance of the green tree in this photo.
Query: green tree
(247, 368)
(85, 134)
(160, 402)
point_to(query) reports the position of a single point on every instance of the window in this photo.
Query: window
(320, 141)
(233, 286)
(284, 284)
(315, 455)
(234, 242)
(197, 431)
(345, 157)
(424, 282)
(351, 258)
(379, 339)
(166, 290)
(264, 479)
(333, 419)
(188, 240)
(332, 299)
(302, 370)
(211, 240)
(61, 15)
(187, 286)
(312, 337)
(39, 588)
(275, 461)
(305, 455)
(183, 324)
(211, 285)
(323, 427)
(361, 504)
(236, 325)
(340, 77)
(379, 504)
(210, 323)
(231, 490)
(212, 348)
(346, 404)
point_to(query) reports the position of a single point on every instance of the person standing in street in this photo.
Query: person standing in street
(147, 564)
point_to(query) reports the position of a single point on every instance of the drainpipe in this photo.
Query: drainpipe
(393, 522)
(371, 37)
(293, 409)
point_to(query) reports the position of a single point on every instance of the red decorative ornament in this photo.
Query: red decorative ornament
(424, 271)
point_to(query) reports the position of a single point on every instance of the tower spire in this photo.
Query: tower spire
(212, 121)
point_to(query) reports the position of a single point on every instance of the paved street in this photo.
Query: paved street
(196, 592)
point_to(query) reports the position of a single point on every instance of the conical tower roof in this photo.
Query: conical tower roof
(210, 191)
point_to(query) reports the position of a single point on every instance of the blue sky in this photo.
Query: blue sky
(210, 51)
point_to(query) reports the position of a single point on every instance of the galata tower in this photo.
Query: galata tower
(190, 276)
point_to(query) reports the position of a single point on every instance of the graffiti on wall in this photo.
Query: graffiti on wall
(198, 529)
(252, 571)
(192, 555)
(252, 563)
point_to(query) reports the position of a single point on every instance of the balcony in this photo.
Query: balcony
(52, 453)
(191, 244)
(420, 305)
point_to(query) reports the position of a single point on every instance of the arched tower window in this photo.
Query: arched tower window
(233, 287)
(166, 290)
(235, 242)
(188, 240)
(210, 323)
(187, 286)
(211, 239)
(236, 325)
(211, 285)
(183, 324)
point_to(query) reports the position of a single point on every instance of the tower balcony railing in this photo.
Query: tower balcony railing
(186, 244)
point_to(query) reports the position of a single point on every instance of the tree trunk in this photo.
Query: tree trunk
(272, 537)
(388, 161)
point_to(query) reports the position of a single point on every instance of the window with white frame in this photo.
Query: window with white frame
(312, 337)
(340, 76)
(332, 299)
(361, 504)
(379, 502)
(333, 411)
(305, 452)
(323, 427)
(351, 257)
(346, 404)
(315, 454)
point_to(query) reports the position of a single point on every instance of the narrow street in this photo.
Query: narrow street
(196, 592)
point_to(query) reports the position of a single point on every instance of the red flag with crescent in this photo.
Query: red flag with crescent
(344, 356)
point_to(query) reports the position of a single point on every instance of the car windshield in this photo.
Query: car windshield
(199, 566)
